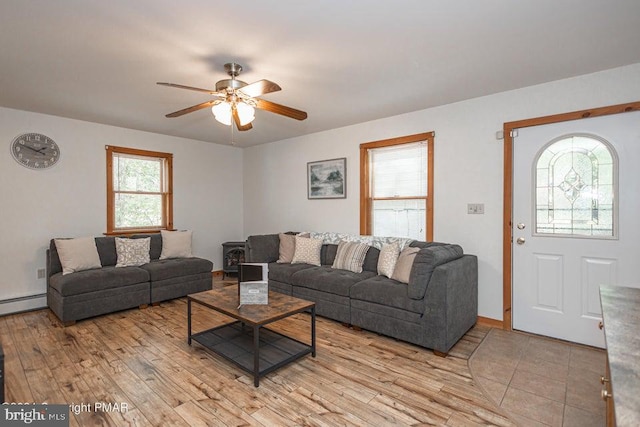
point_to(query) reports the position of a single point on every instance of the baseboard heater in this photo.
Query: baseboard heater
(26, 303)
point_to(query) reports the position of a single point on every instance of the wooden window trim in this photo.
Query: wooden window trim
(167, 200)
(365, 200)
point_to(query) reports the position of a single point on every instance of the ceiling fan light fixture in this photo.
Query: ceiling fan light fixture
(246, 113)
(222, 112)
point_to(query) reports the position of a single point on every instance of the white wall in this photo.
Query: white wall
(69, 200)
(468, 167)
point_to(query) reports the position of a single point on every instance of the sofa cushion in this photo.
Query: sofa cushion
(350, 256)
(97, 280)
(132, 252)
(164, 269)
(78, 254)
(107, 250)
(384, 291)
(425, 262)
(328, 253)
(329, 280)
(263, 248)
(371, 260)
(283, 272)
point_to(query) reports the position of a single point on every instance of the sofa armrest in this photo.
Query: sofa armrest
(263, 248)
(425, 263)
(451, 302)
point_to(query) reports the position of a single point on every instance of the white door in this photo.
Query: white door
(576, 211)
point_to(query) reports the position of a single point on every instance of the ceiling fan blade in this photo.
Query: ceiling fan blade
(212, 92)
(280, 109)
(190, 109)
(260, 87)
(236, 119)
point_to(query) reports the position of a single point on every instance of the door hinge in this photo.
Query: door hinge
(513, 133)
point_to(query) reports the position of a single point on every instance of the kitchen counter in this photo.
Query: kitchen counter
(621, 317)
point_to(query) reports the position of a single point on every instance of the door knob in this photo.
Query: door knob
(520, 226)
(520, 241)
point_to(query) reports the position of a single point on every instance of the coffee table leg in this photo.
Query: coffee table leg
(256, 356)
(313, 331)
(189, 322)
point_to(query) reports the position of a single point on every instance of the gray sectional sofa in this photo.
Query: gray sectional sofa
(434, 310)
(108, 289)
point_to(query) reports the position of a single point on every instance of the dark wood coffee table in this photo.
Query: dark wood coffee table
(246, 341)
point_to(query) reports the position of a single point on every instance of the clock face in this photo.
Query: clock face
(35, 151)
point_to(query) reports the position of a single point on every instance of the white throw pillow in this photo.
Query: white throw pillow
(78, 254)
(387, 259)
(350, 256)
(133, 252)
(402, 270)
(176, 244)
(307, 251)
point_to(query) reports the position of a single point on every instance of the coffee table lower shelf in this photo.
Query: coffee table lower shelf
(236, 342)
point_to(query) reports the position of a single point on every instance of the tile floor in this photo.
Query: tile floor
(540, 381)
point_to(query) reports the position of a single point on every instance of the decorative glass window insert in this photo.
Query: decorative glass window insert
(575, 179)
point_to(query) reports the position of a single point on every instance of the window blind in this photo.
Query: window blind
(399, 171)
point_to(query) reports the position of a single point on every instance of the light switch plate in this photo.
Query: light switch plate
(475, 208)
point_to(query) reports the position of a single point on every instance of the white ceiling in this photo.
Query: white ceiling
(342, 61)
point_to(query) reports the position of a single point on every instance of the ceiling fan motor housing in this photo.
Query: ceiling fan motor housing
(229, 84)
(233, 70)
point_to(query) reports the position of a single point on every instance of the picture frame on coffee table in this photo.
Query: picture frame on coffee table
(327, 179)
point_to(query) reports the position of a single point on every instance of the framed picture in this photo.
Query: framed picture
(327, 179)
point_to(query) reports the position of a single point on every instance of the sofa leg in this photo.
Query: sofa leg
(155, 304)
(69, 323)
(143, 306)
(357, 328)
(440, 354)
(346, 325)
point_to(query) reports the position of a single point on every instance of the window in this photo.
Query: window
(575, 179)
(139, 190)
(396, 187)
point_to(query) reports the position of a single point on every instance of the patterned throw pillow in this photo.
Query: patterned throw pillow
(388, 258)
(307, 251)
(132, 252)
(350, 256)
(402, 270)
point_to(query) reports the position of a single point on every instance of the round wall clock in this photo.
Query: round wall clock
(35, 151)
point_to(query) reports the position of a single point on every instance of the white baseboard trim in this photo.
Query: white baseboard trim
(17, 305)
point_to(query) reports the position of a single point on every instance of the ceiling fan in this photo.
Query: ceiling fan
(236, 100)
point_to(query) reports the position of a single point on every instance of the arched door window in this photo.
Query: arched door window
(576, 183)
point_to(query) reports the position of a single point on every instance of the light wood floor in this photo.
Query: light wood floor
(141, 358)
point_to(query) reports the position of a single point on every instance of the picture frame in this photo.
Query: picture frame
(327, 179)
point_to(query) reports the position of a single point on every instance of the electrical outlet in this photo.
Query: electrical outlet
(475, 208)
(41, 273)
